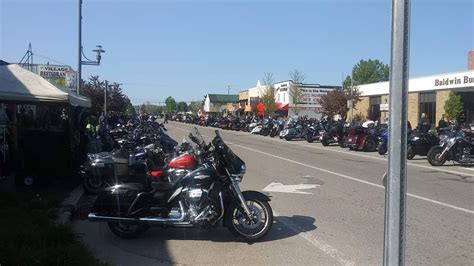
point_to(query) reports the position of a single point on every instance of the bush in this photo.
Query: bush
(30, 236)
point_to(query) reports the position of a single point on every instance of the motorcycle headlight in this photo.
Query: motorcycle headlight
(415, 138)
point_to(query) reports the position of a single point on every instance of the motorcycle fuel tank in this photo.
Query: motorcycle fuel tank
(184, 161)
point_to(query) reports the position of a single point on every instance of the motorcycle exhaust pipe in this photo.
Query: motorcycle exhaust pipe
(92, 217)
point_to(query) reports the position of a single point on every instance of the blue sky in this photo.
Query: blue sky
(189, 48)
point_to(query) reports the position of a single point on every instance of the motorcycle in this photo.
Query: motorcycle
(202, 198)
(360, 138)
(420, 144)
(313, 132)
(277, 127)
(457, 146)
(333, 133)
(293, 130)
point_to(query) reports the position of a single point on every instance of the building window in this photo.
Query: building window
(278, 97)
(374, 107)
(427, 105)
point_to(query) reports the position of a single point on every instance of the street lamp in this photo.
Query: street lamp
(98, 50)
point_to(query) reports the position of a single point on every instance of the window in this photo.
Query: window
(374, 107)
(284, 97)
(278, 97)
(427, 105)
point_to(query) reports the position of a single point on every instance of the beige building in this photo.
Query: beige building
(425, 95)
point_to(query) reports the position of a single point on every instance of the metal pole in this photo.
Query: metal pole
(395, 193)
(352, 98)
(105, 97)
(79, 47)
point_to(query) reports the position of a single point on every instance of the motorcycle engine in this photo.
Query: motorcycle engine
(196, 199)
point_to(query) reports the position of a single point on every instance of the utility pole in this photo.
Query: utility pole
(352, 97)
(105, 97)
(79, 48)
(395, 191)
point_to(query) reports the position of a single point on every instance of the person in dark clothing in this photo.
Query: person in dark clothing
(424, 125)
(442, 123)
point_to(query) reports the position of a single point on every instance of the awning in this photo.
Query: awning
(20, 85)
(281, 106)
(78, 100)
(23, 86)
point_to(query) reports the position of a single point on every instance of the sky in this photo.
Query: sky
(187, 49)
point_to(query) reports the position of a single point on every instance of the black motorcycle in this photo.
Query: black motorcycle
(457, 146)
(202, 198)
(313, 131)
(420, 144)
(334, 132)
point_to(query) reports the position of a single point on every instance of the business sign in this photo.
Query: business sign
(454, 81)
(384, 107)
(311, 96)
(61, 76)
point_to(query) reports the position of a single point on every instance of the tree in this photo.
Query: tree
(195, 106)
(268, 93)
(367, 71)
(334, 102)
(182, 107)
(453, 106)
(170, 104)
(295, 91)
(117, 101)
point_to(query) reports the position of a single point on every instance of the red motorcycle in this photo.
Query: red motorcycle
(360, 138)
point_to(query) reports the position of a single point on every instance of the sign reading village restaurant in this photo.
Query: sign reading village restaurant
(62, 76)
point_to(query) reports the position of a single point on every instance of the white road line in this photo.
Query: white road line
(348, 177)
(313, 240)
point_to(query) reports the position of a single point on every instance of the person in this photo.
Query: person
(442, 123)
(424, 124)
(166, 119)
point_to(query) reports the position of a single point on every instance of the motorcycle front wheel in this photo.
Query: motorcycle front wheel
(309, 138)
(93, 184)
(410, 152)
(382, 149)
(127, 230)
(255, 227)
(434, 156)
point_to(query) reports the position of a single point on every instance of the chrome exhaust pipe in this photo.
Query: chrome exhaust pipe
(92, 217)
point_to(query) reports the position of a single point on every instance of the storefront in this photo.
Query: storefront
(425, 95)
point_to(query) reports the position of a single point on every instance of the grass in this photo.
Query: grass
(30, 236)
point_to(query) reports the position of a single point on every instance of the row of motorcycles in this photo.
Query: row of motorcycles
(151, 179)
(453, 143)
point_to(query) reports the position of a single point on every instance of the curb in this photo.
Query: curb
(69, 204)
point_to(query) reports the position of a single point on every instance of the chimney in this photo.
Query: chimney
(470, 60)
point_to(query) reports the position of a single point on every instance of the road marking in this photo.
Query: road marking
(279, 187)
(349, 177)
(315, 241)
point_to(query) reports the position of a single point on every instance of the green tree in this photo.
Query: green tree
(117, 101)
(367, 71)
(453, 106)
(170, 104)
(268, 93)
(182, 107)
(195, 106)
(295, 91)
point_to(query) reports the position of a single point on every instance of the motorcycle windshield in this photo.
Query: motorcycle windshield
(196, 137)
(232, 162)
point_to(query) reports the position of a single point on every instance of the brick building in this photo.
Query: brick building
(425, 95)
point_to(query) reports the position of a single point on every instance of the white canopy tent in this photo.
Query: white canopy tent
(22, 86)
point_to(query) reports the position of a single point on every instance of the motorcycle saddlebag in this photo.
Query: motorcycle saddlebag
(116, 200)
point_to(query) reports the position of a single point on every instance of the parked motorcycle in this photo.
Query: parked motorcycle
(314, 131)
(202, 198)
(293, 130)
(457, 146)
(420, 144)
(333, 133)
(360, 138)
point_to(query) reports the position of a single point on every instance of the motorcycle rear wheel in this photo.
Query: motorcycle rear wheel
(433, 156)
(370, 145)
(93, 185)
(325, 142)
(257, 227)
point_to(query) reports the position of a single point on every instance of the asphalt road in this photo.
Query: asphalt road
(339, 220)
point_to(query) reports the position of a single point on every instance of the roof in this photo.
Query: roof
(223, 98)
(23, 86)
